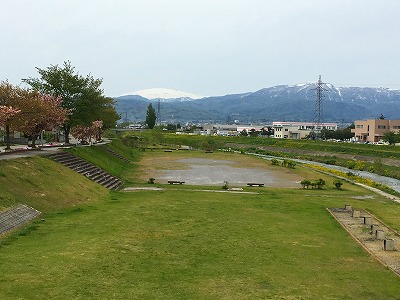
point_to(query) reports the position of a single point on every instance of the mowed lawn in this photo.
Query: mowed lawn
(182, 244)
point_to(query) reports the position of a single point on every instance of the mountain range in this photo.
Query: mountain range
(278, 103)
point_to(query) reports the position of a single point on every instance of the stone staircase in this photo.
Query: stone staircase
(87, 169)
(16, 216)
(104, 147)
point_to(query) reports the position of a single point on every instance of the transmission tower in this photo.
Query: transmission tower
(317, 132)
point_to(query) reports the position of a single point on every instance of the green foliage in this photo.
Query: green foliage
(226, 185)
(351, 164)
(151, 116)
(82, 95)
(305, 183)
(288, 163)
(275, 162)
(391, 137)
(316, 184)
(244, 133)
(338, 184)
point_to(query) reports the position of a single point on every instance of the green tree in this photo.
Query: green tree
(244, 133)
(151, 116)
(82, 95)
(338, 184)
(305, 183)
(391, 137)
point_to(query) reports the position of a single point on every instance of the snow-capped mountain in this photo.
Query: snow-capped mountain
(277, 103)
(164, 95)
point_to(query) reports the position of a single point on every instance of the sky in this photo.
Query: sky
(204, 47)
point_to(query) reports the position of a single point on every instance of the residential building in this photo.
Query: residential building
(372, 131)
(297, 130)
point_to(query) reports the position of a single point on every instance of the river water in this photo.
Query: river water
(390, 182)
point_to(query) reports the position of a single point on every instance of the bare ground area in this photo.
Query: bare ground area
(214, 169)
(365, 237)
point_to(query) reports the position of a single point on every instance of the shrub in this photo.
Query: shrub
(350, 164)
(338, 184)
(226, 185)
(305, 183)
(320, 183)
(359, 165)
(274, 162)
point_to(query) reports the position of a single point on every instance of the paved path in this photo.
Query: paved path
(28, 153)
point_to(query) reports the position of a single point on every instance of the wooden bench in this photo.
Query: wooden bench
(175, 182)
(255, 184)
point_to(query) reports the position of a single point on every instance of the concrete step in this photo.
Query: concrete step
(16, 216)
(87, 169)
(115, 154)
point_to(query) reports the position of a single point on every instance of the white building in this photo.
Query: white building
(297, 130)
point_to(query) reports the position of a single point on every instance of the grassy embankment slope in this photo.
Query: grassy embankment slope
(182, 244)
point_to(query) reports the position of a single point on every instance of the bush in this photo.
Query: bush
(338, 184)
(274, 162)
(305, 183)
(350, 164)
(320, 183)
(225, 186)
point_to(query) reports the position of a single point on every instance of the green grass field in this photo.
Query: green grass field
(185, 244)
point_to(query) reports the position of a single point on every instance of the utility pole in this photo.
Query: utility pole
(317, 132)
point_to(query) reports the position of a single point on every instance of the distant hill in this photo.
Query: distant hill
(278, 103)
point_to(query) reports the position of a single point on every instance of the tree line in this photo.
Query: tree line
(59, 98)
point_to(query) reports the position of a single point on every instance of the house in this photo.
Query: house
(372, 131)
(298, 130)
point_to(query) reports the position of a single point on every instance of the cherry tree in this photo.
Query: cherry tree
(87, 133)
(6, 113)
(8, 96)
(41, 112)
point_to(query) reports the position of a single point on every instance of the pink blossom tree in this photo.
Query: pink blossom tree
(87, 133)
(8, 95)
(6, 113)
(41, 112)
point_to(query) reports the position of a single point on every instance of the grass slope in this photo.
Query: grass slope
(44, 185)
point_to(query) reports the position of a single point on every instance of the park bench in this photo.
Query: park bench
(208, 151)
(168, 150)
(175, 182)
(255, 184)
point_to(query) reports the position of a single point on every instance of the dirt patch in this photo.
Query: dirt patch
(238, 170)
(367, 239)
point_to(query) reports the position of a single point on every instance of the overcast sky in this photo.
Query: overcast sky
(206, 47)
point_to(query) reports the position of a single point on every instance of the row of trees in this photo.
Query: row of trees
(58, 98)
